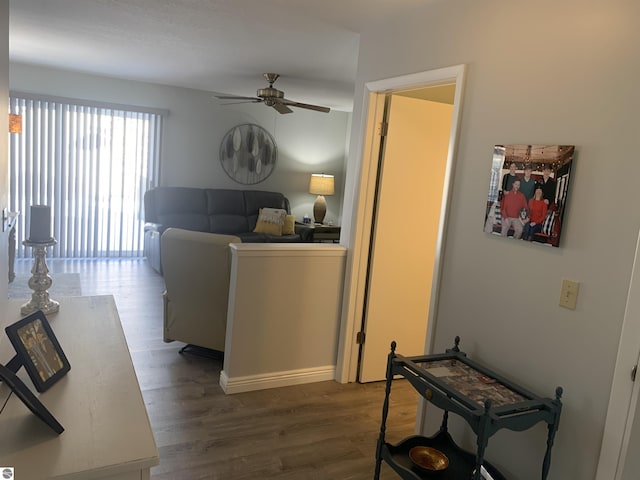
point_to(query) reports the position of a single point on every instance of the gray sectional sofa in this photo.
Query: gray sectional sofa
(224, 211)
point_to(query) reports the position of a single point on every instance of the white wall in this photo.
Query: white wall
(308, 142)
(538, 72)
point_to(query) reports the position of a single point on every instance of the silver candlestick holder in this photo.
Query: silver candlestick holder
(40, 281)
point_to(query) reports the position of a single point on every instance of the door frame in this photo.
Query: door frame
(364, 194)
(623, 401)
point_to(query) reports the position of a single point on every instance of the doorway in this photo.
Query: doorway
(404, 233)
(363, 176)
(621, 439)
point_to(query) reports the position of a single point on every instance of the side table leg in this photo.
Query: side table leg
(553, 428)
(385, 412)
(482, 440)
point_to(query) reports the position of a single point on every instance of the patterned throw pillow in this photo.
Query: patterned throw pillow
(289, 227)
(270, 221)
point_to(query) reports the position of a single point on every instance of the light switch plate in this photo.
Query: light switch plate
(569, 293)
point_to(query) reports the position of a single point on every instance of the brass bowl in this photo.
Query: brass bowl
(428, 459)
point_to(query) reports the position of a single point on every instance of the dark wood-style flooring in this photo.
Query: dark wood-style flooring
(319, 431)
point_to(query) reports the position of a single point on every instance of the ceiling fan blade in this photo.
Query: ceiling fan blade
(317, 108)
(232, 97)
(241, 102)
(282, 108)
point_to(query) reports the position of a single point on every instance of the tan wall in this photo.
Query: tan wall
(283, 317)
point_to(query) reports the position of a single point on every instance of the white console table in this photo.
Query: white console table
(107, 431)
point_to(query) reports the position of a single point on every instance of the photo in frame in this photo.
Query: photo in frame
(528, 189)
(29, 399)
(38, 350)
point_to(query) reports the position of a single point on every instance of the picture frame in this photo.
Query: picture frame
(38, 350)
(533, 210)
(29, 399)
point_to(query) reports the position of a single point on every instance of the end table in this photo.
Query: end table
(323, 232)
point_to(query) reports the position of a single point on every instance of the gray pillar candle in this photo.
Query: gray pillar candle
(40, 226)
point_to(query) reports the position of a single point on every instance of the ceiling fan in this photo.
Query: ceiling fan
(272, 97)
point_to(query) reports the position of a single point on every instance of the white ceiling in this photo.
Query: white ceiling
(222, 46)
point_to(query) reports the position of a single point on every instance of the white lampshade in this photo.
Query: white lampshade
(321, 184)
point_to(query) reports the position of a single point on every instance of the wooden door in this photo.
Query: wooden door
(405, 234)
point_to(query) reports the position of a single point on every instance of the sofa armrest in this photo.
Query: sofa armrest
(154, 227)
(197, 267)
(152, 234)
(305, 232)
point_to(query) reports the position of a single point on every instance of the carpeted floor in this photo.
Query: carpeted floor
(64, 285)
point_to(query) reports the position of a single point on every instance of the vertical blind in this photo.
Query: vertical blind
(91, 164)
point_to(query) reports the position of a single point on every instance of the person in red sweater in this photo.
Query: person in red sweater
(537, 212)
(512, 202)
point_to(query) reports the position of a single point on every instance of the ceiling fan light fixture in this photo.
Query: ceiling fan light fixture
(270, 93)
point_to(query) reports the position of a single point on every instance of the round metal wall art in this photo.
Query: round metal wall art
(248, 154)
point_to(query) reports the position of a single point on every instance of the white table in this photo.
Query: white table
(107, 431)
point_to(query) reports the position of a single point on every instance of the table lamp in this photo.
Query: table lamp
(321, 185)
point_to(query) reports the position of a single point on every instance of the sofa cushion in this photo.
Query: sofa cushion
(186, 221)
(227, 224)
(226, 211)
(181, 207)
(295, 238)
(256, 199)
(252, 237)
(179, 200)
(220, 200)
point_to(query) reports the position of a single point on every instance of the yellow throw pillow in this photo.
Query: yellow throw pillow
(270, 221)
(288, 228)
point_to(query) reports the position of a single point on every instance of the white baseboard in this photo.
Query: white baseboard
(276, 379)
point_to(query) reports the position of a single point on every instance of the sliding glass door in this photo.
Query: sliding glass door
(91, 164)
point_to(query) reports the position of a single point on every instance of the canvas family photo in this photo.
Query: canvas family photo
(528, 190)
